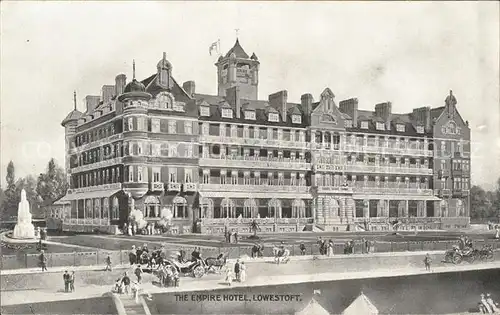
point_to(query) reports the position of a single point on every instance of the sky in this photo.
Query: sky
(408, 53)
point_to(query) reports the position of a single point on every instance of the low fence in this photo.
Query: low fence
(120, 257)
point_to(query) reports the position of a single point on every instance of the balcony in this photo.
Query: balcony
(115, 186)
(97, 165)
(174, 187)
(255, 163)
(254, 142)
(391, 189)
(255, 188)
(465, 193)
(384, 169)
(387, 150)
(335, 189)
(96, 144)
(190, 187)
(457, 193)
(157, 186)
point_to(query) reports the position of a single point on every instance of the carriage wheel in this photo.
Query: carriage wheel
(457, 259)
(198, 272)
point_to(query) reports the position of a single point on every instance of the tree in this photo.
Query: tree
(480, 204)
(9, 205)
(53, 184)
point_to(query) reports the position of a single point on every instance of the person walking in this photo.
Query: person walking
(363, 246)
(330, 248)
(243, 272)
(43, 260)
(427, 262)
(132, 256)
(237, 270)
(108, 263)
(497, 234)
(138, 273)
(229, 276)
(367, 246)
(236, 237)
(302, 248)
(135, 291)
(126, 283)
(72, 281)
(66, 281)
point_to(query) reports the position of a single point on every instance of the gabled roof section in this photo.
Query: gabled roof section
(377, 119)
(224, 104)
(270, 109)
(295, 111)
(237, 50)
(361, 305)
(314, 308)
(398, 120)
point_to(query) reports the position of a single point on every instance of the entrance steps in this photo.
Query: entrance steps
(132, 307)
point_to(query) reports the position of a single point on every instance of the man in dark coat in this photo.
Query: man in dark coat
(66, 281)
(237, 270)
(43, 261)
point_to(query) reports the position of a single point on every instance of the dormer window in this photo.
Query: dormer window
(296, 119)
(273, 117)
(250, 114)
(364, 125)
(227, 113)
(420, 129)
(348, 123)
(380, 126)
(204, 111)
(400, 128)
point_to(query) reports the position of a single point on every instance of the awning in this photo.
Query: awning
(396, 197)
(89, 195)
(254, 195)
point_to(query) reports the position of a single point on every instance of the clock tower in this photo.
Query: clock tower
(236, 68)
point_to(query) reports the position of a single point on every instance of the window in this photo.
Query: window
(380, 126)
(204, 111)
(172, 175)
(188, 149)
(155, 125)
(155, 149)
(273, 117)
(296, 119)
(246, 132)
(227, 113)
(420, 129)
(188, 175)
(348, 123)
(139, 174)
(400, 128)
(172, 126)
(364, 125)
(130, 121)
(172, 150)
(130, 173)
(156, 174)
(250, 114)
(188, 127)
(140, 123)
(140, 148)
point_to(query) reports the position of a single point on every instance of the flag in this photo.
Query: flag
(213, 46)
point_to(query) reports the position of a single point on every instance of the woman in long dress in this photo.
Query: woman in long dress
(497, 235)
(229, 275)
(330, 248)
(243, 272)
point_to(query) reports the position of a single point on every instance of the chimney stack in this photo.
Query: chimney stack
(350, 107)
(233, 98)
(306, 101)
(423, 116)
(189, 87)
(278, 101)
(384, 110)
(92, 101)
(120, 82)
(107, 93)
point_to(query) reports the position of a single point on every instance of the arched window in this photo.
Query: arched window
(274, 208)
(227, 208)
(151, 207)
(180, 207)
(298, 208)
(249, 208)
(207, 208)
(164, 100)
(115, 210)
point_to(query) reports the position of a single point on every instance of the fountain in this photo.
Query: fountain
(24, 229)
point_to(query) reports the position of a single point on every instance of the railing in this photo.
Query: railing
(254, 142)
(387, 169)
(157, 186)
(191, 187)
(114, 186)
(174, 187)
(335, 189)
(96, 144)
(254, 188)
(97, 165)
(76, 221)
(387, 150)
(207, 221)
(251, 162)
(396, 191)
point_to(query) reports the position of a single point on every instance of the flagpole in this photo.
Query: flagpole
(218, 48)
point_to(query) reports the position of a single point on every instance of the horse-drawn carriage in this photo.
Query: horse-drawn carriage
(469, 254)
(196, 267)
(281, 255)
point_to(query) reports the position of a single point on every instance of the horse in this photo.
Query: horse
(257, 251)
(216, 264)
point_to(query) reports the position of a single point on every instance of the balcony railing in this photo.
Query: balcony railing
(97, 165)
(157, 186)
(114, 186)
(96, 144)
(391, 188)
(190, 187)
(254, 188)
(387, 150)
(254, 142)
(335, 189)
(174, 187)
(210, 221)
(75, 221)
(370, 168)
(255, 162)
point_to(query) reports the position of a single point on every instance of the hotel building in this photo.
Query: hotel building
(225, 160)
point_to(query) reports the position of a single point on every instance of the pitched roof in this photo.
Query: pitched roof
(361, 305)
(237, 50)
(73, 115)
(314, 308)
